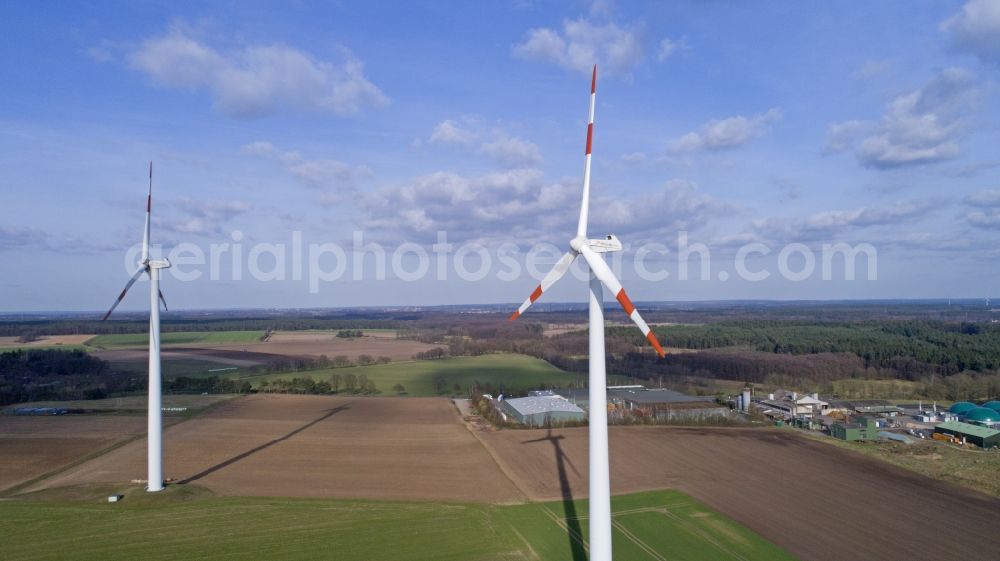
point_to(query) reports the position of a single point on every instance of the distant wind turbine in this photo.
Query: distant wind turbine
(600, 273)
(154, 427)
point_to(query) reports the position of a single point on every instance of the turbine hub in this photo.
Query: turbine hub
(607, 244)
(577, 242)
(158, 264)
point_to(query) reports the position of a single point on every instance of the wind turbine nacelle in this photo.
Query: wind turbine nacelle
(606, 244)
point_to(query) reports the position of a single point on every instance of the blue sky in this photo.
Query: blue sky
(737, 122)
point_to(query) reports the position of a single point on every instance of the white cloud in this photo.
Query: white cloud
(922, 126)
(842, 136)
(986, 197)
(507, 151)
(22, 238)
(214, 210)
(669, 47)
(581, 44)
(728, 133)
(199, 217)
(989, 219)
(449, 131)
(976, 29)
(321, 173)
(520, 206)
(634, 157)
(256, 79)
(513, 152)
(828, 225)
(987, 213)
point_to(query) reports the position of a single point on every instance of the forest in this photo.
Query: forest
(932, 350)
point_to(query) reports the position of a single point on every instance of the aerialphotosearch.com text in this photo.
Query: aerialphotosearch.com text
(319, 263)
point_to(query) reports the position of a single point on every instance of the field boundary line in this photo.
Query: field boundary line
(637, 541)
(562, 524)
(701, 533)
(496, 460)
(531, 550)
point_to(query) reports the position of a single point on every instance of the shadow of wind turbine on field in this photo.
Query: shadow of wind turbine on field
(571, 521)
(329, 413)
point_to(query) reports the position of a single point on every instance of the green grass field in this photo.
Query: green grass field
(187, 523)
(175, 338)
(508, 370)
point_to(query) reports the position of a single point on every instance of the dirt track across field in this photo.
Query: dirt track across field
(31, 446)
(315, 446)
(816, 500)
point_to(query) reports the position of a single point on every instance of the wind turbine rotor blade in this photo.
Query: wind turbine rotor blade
(121, 296)
(604, 273)
(149, 208)
(581, 228)
(163, 301)
(555, 274)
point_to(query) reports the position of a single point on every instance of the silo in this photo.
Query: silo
(745, 403)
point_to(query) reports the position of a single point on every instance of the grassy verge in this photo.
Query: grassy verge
(970, 467)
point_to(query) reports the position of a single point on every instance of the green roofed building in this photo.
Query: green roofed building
(857, 428)
(983, 437)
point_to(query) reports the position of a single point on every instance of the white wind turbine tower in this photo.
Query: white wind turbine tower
(154, 427)
(600, 273)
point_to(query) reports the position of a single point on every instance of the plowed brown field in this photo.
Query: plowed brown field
(816, 500)
(32, 446)
(316, 446)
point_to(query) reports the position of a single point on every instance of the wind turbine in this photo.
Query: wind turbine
(154, 426)
(600, 273)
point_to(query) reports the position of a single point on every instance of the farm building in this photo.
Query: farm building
(659, 403)
(879, 407)
(667, 404)
(981, 436)
(856, 428)
(540, 411)
(788, 404)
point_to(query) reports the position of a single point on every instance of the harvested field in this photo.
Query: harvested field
(552, 329)
(44, 341)
(32, 446)
(316, 343)
(815, 500)
(315, 446)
